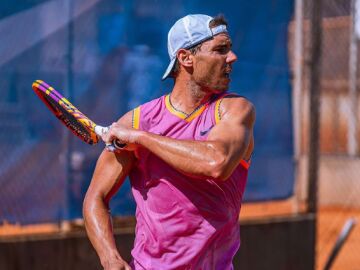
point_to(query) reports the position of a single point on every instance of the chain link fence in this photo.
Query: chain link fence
(107, 57)
(339, 162)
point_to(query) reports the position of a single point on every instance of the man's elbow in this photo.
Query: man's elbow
(87, 205)
(219, 169)
(221, 175)
(92, 202)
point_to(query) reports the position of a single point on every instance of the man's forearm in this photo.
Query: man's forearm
(100, 231)
(217, 157)
(198, 158)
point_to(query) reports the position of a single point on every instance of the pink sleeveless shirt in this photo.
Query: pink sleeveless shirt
(183, 222)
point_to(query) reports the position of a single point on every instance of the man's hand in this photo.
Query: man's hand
(118, 131)
(118, 265)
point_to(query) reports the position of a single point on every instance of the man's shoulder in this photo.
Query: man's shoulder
(236, 103)
(230, 98)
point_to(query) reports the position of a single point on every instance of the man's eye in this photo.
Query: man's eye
(222, 50)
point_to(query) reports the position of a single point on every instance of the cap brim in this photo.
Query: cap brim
(169, 69)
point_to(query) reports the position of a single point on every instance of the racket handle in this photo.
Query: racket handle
(115, 145)
(118, 144)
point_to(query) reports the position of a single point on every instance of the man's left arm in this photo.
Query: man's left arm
(217, 157)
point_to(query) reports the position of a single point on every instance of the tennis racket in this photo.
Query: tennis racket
(79, 124)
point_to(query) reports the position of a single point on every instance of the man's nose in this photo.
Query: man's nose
(231, 57)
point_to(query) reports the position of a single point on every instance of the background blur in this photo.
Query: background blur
(107, 57)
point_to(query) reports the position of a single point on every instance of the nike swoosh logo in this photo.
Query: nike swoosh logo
(203, 132)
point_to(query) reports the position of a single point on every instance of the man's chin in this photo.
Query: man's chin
(218, 88)
(221, 88)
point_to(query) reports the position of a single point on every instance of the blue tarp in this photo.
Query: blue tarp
(117, 54)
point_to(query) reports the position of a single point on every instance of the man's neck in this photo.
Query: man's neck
(186, 96)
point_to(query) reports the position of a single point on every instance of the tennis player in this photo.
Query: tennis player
(187, 156)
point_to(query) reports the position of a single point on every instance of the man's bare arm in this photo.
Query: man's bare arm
(228, 142)
(110, 172)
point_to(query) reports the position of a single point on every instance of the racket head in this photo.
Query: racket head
(79, 124)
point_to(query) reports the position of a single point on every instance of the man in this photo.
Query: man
(187, 155)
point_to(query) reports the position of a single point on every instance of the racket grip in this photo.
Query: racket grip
(115, 145)
(118, 144)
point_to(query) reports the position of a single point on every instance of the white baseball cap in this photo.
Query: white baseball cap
(188, 32)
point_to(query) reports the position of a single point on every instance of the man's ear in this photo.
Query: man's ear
(185, 58)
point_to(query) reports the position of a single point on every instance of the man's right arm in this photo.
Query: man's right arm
(110, 173)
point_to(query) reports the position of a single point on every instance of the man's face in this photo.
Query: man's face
(212, 64)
